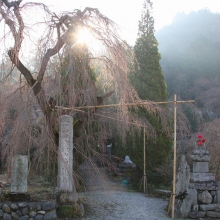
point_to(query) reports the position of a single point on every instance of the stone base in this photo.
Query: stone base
(66, 197)
(70, 211)
(28, 210)
(202, 177)
(205, 186)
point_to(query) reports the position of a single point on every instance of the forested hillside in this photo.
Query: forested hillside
(190, 50)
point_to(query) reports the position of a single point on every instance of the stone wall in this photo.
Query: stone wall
(28, 210)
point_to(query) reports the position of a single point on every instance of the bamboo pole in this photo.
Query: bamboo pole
(125, 104)
(144, 164)
(174, 159)
(144, 103)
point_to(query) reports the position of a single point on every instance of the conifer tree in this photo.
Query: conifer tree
(148, 79)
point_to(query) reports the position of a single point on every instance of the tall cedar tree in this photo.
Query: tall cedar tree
(148, 80)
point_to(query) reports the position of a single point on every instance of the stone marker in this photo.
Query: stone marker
(183, 176)
(127, 163)
(65, 161)
(127, 160)
(184, 206)
(198, 196)
(19, 174)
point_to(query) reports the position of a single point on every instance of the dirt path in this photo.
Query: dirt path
(120, 203)
(124, 205)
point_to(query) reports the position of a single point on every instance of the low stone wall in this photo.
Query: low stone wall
(28, 210)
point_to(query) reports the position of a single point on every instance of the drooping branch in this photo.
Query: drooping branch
(82, 116)
(69, 22)
(100, 99)
(50, 52)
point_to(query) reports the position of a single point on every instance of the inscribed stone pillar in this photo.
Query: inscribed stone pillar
(65, 160)
(19, 174)
(65, 154)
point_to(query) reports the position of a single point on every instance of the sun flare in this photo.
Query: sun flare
(84, 36)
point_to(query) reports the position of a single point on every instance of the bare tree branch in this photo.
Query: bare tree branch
(9, 22)
(27, 74)
(50, 52)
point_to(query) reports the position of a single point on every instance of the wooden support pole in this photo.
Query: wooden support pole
(145, 186)
(174, 159)
(143, 102)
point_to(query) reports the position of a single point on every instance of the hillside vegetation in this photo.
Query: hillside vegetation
(190, 57)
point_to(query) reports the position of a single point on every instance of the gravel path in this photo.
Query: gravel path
(122, 204)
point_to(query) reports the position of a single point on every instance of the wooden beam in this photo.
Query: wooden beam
(125, 104)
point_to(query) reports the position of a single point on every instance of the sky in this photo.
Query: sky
(127, 13)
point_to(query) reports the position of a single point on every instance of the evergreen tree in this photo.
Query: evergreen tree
(148, 79)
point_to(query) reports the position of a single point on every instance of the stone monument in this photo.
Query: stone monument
(67, 197)
(19, 174)
(127, 163)
(65, 183)
(199, 195)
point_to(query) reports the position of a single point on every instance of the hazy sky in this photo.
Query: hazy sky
(126, 13)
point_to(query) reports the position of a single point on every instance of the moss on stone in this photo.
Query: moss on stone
(69, 211)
